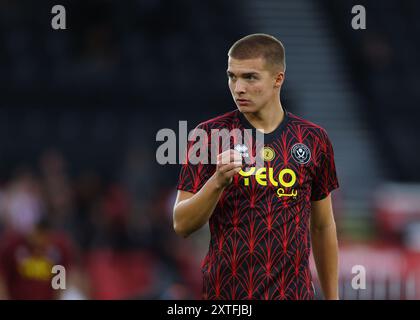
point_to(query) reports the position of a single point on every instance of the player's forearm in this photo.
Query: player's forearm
(325, 251)
(191, 214)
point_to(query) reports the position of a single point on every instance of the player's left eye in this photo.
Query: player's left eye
(251, 77)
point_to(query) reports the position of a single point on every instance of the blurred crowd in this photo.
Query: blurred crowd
(114, 237)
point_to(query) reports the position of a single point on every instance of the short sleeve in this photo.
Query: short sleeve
(325, 179)
(193, 175)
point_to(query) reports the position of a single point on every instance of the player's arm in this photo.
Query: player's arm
(325, 246)
(192, 211)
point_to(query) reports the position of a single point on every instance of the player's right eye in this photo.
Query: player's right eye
(231, 76)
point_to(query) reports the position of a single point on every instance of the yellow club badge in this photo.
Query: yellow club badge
(268, 154)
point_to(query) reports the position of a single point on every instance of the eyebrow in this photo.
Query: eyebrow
(245, 74)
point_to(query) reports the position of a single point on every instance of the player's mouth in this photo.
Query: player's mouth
(243, 102)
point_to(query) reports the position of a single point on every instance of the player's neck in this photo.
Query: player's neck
(268, 118)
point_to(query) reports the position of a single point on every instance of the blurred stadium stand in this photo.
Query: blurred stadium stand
(80, 109)
(384, 70)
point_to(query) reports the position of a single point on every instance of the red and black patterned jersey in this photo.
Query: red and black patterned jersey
(260, 236)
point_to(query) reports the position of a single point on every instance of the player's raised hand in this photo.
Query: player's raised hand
(229, 163)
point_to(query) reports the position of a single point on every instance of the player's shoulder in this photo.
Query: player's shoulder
(226, 120)
(299, 123)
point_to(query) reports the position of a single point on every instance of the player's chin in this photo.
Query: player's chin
(246, 108)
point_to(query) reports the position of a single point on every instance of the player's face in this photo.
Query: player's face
(252, 85)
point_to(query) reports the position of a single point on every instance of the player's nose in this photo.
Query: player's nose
(239, 87)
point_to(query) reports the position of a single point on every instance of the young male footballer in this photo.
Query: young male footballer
(263, 220)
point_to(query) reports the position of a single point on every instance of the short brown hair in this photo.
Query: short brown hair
(260, 45)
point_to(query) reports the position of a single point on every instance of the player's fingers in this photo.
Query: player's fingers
(226, 157)
(230, 159)
(227, 167)
(224, 153)
(231, 173)
(236, 156)
(229, 156)
(228, 152)
(235, 164)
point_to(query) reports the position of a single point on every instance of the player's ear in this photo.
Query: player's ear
(279, 79)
